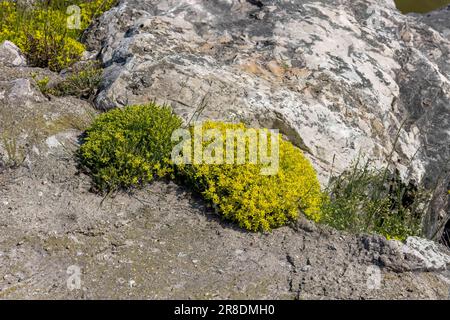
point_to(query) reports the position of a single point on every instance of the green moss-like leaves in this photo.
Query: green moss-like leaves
(257, 202)
(128, 147)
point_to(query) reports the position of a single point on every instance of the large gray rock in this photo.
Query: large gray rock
(338, 78)
(11, 56)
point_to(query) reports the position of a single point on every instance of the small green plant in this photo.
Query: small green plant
(83, 82)
(128, 147)
(42, 32)
(255, 201)
(42, 84)
(367, 200)
(14, 155)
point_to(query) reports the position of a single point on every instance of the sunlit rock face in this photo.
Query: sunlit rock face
(338, 78)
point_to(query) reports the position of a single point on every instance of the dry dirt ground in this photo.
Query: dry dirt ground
(162, 242)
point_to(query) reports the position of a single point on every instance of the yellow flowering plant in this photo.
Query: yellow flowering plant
(129, 147)
(256, 201)
(41, 31)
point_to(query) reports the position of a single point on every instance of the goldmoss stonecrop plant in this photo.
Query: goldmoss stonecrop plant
(128, 147)
(42, 32)
(256, 201)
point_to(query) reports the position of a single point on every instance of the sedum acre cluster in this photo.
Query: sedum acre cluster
(128, 147)
(255, 201)
(43, 31)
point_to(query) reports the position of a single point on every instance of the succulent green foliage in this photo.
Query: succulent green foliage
(128, 147)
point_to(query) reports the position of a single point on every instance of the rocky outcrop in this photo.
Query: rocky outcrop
(10, 55)
(31, 124)
(162, 242)
(335, 78)
(338, 79)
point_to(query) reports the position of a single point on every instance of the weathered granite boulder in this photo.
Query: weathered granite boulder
(339, 78)
(438, 20)
(11, 56)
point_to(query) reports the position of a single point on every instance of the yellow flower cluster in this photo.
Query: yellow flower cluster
(42, 32)
(8, 24)
(92, 9)
(258, 202)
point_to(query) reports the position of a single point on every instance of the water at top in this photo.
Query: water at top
(420, 6)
